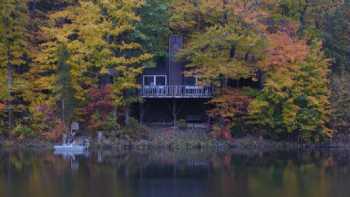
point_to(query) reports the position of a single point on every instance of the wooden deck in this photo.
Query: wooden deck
(176, 92)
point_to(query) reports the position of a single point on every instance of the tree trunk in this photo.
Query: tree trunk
(127, 115)
(64, 117)
(115, 113)
(174, 112)
(9, 89)
(141, 108)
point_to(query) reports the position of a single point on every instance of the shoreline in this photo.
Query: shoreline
(244, 144)
(186, 139)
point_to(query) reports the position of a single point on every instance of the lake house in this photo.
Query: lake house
(168, 95)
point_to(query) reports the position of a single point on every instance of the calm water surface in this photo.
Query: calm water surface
(175, 174)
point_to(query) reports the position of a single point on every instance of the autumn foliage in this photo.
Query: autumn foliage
(2, 107)
(56, 133)
(65, 47)
(230, 106)
(239, 39)
(283, 51)
(99, 107)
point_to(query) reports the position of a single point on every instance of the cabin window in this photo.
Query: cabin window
(160, 80)
(154, 80)
(148, 81)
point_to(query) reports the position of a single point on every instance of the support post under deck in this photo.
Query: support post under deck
(141, 112)
(174, 112)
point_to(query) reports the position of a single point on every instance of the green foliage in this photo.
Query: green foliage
(65, 91)
(292, 8)
(21, 131)
(336, 33)
(133, 130)
(182, 124)
(340, 101)
(221, 52)
(152, 31)
(111, 124)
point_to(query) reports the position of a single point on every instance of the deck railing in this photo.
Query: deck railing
(176, 92)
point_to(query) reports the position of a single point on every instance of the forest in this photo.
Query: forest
(55, 53)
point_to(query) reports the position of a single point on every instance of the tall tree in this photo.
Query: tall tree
(13, 50)
(153, 30)
(336, 34)
(65, 91)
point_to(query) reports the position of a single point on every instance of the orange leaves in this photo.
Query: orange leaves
(283, 51)
(230, 103)
(56, 133)
(2, 107)
(229, 106)
(250, 12)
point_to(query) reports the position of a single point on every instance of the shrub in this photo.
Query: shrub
(133, 130)
(56, 133)
(21, 131)
(182, 124)
(111, 123)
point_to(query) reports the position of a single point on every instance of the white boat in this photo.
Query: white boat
(70, 151)
(71, 147)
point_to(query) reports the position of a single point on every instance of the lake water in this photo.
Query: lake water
(175, 174)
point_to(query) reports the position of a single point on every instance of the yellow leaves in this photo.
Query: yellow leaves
(289, 113)
(128, 46)
(129, 60)
(13, 33)
(44, 83)
(183, 17)
(96, 35)
(257, 106)
(222, 51)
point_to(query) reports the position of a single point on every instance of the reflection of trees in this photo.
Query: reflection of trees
(30, 172)
(223, 174)
(307, 174)
(136, 164)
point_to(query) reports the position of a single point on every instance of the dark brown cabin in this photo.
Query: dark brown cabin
(168, 95)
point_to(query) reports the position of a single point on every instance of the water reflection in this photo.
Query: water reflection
(169, 173)
(69, 155)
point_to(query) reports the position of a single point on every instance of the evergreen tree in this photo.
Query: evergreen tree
(65, 91)
(336, 34)
(153, 31)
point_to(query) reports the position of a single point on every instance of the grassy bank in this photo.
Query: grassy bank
(185, 139)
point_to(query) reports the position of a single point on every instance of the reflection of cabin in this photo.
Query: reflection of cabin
(168, 95)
